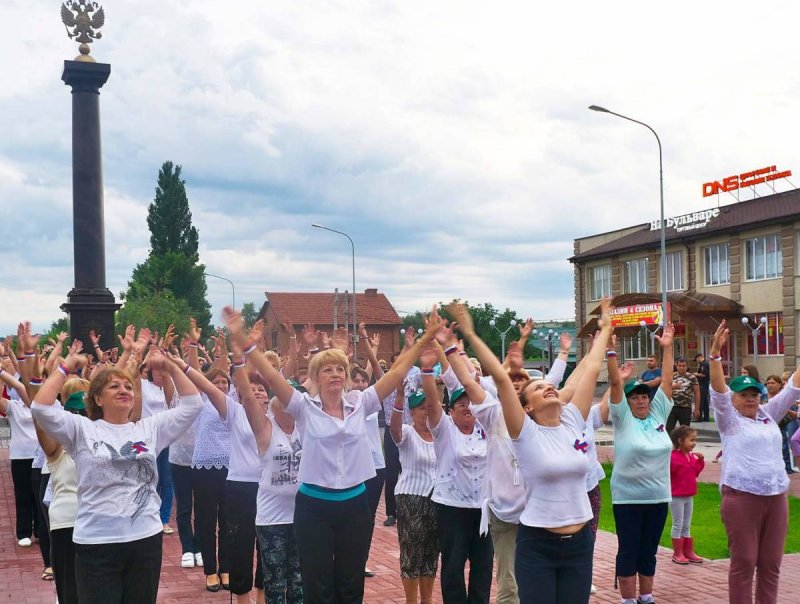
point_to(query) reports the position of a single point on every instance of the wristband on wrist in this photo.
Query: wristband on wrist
(63, 369)
(715, 357)
(238, 365)
(313, 350)
(396, 410)
(426, 371)
(611, 354)
(192, 344)
(35, 381)
(462, 353)
(30, 353)
(450, 350)
(20, 359)
(249, 349)
(187, 369)
(97, 345)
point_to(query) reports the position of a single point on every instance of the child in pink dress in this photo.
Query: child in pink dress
(685, 467)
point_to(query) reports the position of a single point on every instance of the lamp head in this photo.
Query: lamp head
(745, 320)
(317, 226)
(492, 323)
(642, 323)
(550, 331)
(402, 332)
(598, 108)
(419, 331)
(763, 320)
(514, 322)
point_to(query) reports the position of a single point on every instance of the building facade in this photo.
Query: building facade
(733, 261)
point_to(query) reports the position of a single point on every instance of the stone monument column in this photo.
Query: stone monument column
(90, 304)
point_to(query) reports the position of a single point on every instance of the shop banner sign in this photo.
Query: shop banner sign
(632, 316)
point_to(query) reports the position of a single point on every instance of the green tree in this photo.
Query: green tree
(173, 263)
(169, 217)
(249, 313)
(156, 310)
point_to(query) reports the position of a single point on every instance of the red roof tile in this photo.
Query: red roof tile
(298, 308)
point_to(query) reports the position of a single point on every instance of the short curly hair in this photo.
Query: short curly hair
(101, 379)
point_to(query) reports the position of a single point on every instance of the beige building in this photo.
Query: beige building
(732, 261)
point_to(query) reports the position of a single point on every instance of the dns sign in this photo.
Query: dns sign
(746, 179)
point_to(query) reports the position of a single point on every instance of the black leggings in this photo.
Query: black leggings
(240, 505)
(333, 544)
(63, 556)
(24, 497)
(39, 484)
(460, 540)
(119, 573)
(639, 528)
(209, 513)
(392, 456)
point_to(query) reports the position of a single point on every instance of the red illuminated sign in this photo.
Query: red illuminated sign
(746, 179)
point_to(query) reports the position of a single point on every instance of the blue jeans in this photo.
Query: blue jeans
(184, 500)
(164, 487)
(552, 568)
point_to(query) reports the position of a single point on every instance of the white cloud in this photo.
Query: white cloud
(452, 140)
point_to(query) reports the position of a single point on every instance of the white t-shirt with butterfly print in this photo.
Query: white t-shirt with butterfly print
(116, 463)
(554, 462)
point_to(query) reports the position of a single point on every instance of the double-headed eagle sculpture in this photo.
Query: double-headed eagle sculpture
(83, 19)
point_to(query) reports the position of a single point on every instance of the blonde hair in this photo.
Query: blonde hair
(72, 386)
(101, 379)
(331, 356)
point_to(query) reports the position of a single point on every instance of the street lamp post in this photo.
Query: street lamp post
(492, 323)
(233, 289)
(663, 222)
(547, 338)
(652, 334)
(353, 250)
(754, 331)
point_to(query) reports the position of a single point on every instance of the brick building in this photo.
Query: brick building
(320, 309)
(731, 261)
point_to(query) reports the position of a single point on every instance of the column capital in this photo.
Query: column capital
(85, 77)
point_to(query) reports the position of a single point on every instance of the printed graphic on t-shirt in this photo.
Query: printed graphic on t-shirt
(683, 389)
(287, 464)
(131, 469)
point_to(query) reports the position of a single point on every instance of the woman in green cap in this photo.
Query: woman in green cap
(416, 512)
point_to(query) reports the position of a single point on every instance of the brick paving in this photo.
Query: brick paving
(20, 568)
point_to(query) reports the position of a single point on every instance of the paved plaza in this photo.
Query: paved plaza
(20, 568)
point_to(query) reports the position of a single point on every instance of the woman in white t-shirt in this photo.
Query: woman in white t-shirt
(753, 480)
(332, 517)
(118, 531)
(555, 543)
(279, 449)
(417, 531)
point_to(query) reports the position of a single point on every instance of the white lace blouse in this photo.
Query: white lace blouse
(212, 442)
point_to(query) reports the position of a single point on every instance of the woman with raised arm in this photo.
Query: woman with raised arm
(554, 540)
(416, 512)
(118, 531)
(640, 482)
(332, 518)
(279, 449)
(753, 479)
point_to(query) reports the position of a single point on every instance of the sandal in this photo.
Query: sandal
(168, 530)
(225, 581)
(47, 574)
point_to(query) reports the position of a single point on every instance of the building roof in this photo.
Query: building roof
(298, 308)
(762, 211)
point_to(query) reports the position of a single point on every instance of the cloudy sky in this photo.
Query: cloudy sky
(451, 139)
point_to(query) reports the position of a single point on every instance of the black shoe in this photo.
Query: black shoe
(390, 521)
(368, 573)
(214, 587)
(638, 601)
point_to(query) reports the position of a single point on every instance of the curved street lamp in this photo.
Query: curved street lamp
(353, 249)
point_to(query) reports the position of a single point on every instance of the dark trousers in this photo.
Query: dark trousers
(283, 583)
(460, 540)
(374, 487)
(392, 457)
(333, 544)
(705, 411)
(182, 484)
(164, 486)
(240, 505)
(62, 553)
(639, 528)
(119, 573)
(24, 497)
(39, 484)
(552, 568)
(682, 415)
(209, 515)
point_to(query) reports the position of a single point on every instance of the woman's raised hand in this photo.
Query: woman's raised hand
(461, 316)
(720, 338)
(433, 323)
(667, 335)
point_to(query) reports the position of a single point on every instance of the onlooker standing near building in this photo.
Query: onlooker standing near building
(702, 378)
(685, 395)
(652, 377)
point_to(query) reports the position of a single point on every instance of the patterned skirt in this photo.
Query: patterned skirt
(416, 532)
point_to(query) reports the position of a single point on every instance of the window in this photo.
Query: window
(636, 276)
(769, 336)
(717, 267)
(275, 345)
(763, 258)
(600, 282)
(674, 270)
(639, 346)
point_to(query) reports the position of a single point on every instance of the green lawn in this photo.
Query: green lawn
(709, 535)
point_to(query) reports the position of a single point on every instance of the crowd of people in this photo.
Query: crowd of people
(277, 465)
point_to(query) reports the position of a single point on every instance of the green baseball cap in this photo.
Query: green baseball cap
(635, 386)
(416, 399)
(455, 395)
(743, 382)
